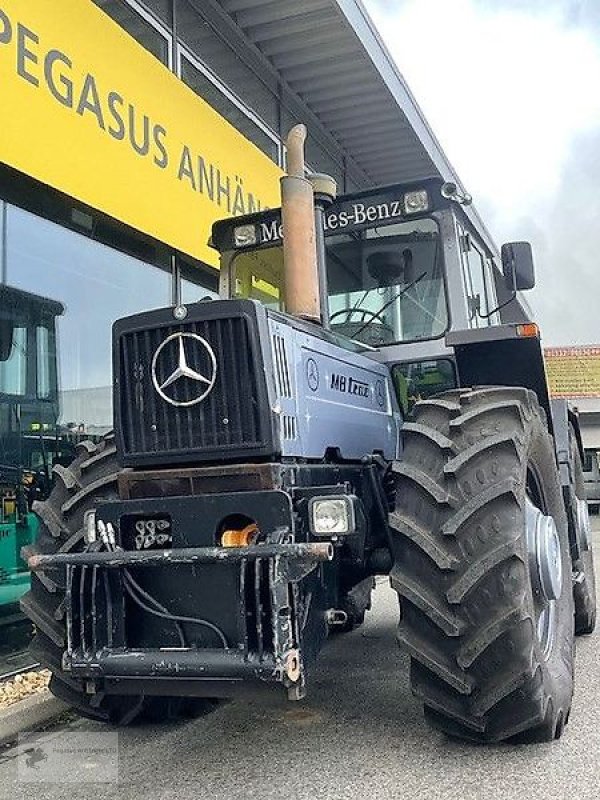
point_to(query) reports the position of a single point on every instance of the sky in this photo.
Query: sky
(511, 89)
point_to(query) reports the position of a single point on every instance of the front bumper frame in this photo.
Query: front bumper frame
(272, 589)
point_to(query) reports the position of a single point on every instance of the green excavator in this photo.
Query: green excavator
(30, 443)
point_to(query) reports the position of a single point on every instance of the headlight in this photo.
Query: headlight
(415, 202)
(331, 515)
(244, 235)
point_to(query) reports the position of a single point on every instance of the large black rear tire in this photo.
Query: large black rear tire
(469, 609)
(89, 480)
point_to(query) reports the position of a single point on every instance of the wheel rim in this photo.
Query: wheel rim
(546, 572)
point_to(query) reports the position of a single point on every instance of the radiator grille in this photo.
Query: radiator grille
(227, 420)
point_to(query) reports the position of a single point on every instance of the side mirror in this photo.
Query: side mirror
(517, 266)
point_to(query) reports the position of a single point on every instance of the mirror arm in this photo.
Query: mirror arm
(502, 305)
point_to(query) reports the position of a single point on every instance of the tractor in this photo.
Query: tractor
(366, 397)
(28, 417)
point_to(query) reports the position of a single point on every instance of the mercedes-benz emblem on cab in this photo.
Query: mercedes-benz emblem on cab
(312, 374)
(184, 369)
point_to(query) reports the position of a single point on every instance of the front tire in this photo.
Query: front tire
(488, 659)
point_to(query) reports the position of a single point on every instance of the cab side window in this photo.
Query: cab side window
(418, 380)
(490, 284)
(478, 282)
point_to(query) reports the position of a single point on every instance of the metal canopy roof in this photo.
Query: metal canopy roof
(331, 57)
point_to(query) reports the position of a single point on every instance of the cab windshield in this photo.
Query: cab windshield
(385, 285)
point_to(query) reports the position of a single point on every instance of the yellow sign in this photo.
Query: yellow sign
(573, 371)
(88, 111)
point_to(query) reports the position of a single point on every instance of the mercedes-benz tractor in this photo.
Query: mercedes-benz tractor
(367, 397)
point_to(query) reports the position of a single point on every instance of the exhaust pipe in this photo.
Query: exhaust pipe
(301, 273)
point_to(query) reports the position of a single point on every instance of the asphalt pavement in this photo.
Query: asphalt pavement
(360, 734)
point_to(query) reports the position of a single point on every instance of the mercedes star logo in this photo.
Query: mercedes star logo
(312, 374)
(203, 354)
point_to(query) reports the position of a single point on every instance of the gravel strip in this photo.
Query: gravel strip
(23, 685)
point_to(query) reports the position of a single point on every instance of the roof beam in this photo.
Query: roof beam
(328, 68)
(366, 131)
(320, 84)
(350, 116)
(276, 10)
(368, 151)
(293, 42)
(333, 103)
(420, 166)
(302, 56)
(272, 31)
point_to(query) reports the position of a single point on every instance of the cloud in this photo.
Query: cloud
(566, 242)
(511, 92)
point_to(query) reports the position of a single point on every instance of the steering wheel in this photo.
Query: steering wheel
(366, 316)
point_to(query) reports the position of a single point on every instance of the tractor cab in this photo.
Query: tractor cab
(406, 268)
(384, 273)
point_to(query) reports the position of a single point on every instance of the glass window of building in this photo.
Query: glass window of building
(203, 86)
(161, 9)
(196, 33)
(3, 209)
(198, 283)
(137, 26)
(74, 289)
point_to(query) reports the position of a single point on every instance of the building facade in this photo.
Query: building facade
(96, 265)
(130, 126)
(574, 375)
